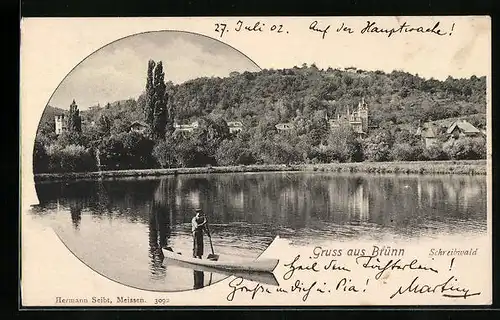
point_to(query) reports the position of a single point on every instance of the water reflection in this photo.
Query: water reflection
(76, 215)
(258, 205)
(155, 252)
(160, 221)
(246, 212)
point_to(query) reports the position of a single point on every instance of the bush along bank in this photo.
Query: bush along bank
(414, 167)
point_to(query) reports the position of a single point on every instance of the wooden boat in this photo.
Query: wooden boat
(258, 265)
(261, 277)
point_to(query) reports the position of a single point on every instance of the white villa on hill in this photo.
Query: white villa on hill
(186, 127)
(235, 126)
(60, 123)
(284, 126)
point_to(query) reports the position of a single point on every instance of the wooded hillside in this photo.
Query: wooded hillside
(397, 103)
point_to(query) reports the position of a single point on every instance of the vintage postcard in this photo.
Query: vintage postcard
(256, 161)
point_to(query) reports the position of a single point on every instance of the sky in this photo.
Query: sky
(118, 70)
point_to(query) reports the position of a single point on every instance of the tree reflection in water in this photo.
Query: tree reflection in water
(247, 210)
(125, 221)
(76, 215)
(160, 222)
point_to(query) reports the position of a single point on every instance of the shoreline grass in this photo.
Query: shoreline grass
(463, 167)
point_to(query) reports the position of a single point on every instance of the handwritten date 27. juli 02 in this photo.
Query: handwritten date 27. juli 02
(240, 26)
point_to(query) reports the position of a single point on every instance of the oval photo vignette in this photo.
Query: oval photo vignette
(106, 173)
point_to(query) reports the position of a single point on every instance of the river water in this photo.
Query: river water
(116, 226)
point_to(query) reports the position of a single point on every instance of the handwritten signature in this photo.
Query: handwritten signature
(444, 287)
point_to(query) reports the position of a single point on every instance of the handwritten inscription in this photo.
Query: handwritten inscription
(352, 273)
(371, 262)
(312, 267)
(237, 286)
(304, 288)
(323, 29)
(249, 27)
(293, 266)
(372, 27)
(344, 28)
(332, 265)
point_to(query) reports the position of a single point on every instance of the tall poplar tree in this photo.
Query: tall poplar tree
(149, 105)
(160, 102)
(74, 119)
(158, 112)
(170, 112)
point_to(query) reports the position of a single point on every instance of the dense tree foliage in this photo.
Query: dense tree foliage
(466, 148)
(69, 158)
(128, 150)
(305, 97)
(398, 97)
(164, 152)
(344, 145)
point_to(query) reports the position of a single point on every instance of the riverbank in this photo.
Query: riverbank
(467, 167)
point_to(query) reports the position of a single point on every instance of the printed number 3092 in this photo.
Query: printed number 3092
(162, 301)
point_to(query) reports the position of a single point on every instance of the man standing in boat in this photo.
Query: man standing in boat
(197, 225)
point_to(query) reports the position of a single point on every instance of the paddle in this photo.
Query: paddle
(211, 256)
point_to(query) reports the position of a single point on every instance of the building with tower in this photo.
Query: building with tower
(357, 119)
